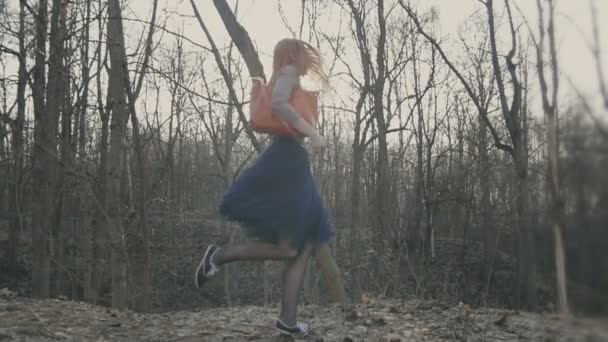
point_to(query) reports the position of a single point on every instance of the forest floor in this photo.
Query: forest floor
(25, 319)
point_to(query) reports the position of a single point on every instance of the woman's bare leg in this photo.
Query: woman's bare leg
(254, 251)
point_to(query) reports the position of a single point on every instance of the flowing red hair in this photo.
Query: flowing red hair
(302, 55)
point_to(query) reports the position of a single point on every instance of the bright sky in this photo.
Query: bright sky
(261, 18)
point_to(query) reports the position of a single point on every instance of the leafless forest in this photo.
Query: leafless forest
(461, 168)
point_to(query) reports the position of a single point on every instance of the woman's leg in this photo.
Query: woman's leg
(254, 251)
(292, 282)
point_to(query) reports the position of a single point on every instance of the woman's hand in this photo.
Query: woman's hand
(317, 141)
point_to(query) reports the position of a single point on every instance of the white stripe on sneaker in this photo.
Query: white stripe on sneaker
(201, 266)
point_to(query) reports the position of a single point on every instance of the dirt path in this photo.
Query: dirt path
(23, 319)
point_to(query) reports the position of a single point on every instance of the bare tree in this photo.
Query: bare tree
(223, 136)
(239, 106)
(100, 235)
(17, 125)
(141, 250)
(597, 54)
(117, 94)
(518, 150)
(362, 120)
(120, 168)
(382, 214)
(425, 136)
(47, 102)
(83, 218)
(65, 201)
(550, 108)
(241, 38)
(483, 84)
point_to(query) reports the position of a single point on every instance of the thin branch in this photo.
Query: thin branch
(173, 33)
(510, 120)
(148, 52)
(188, 90)
(598, 123)
(301, 18)
(5, 118)
(284, 20)
(227, 79)
(241, 38)
(463, 81)
(517, 87)
(540, 58)
(6, 49)
(29, 8)
(553, 52)
(597, 54)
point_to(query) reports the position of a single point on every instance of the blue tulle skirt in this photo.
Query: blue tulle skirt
(277, 198)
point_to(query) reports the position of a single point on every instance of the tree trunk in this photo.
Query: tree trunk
(331, 274)
(63, 206)
(118, 128)
(240, 37)
(487, 230)
(556, 204)
(358, 148)
(97, 258)
(584, 265)
(354, 222)
(556, 208)
(527, 247)
(382, 212)
(227, 174)
(142, 272)
(429, 252)
(517, 127)
(142, 268)
(419, 205)
(44, 160)
(15, 190)
(416, 236)
(84, 221)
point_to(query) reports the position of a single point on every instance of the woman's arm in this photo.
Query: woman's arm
(283, 86)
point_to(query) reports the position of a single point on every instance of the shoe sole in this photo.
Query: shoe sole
(201, 265)
(294, 335)
(286, 334)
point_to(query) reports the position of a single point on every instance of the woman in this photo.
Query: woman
(277, 200)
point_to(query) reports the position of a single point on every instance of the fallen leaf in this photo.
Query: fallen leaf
(379, 321)
(502, 321)
(391, 338)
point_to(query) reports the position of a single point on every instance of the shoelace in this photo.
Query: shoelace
(303, 327)
(213, 269)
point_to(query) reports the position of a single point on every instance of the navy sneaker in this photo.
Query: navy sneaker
(206, 269)
(301, 329)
